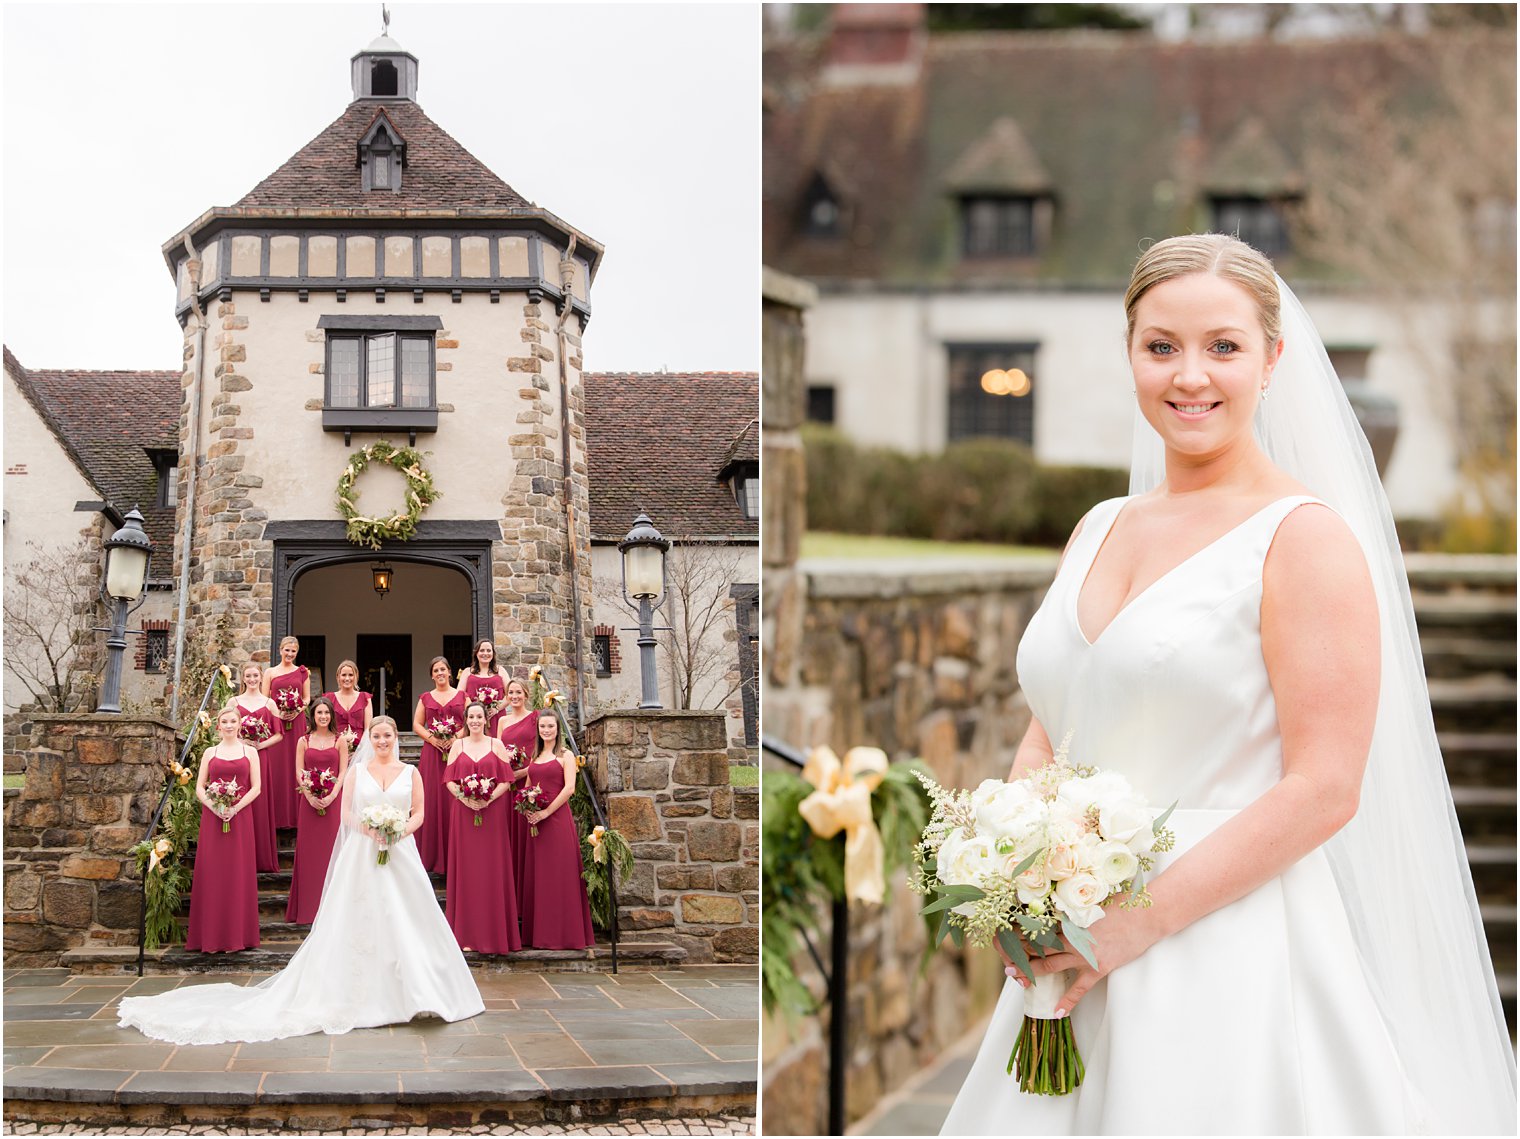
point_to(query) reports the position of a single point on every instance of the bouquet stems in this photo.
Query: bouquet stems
(1045, 1053)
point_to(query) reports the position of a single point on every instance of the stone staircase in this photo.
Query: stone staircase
(279, 939)
(1465, 613)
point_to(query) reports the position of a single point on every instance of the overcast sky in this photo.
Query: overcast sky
(638, 124)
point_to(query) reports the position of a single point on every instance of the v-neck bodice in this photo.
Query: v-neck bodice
(1173, 692)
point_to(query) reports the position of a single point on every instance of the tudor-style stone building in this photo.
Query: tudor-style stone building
(384, 284)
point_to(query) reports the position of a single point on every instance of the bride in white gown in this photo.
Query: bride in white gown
(379, 951)
(1237, 636)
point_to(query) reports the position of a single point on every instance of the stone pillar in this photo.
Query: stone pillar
(92, 783)
(784, 502)
(695, 837)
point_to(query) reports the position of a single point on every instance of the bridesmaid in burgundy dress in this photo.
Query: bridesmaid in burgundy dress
(323, 756)
(352, 709)
(518, 732)
(554, 909)
(259, 726)
(482, 904)
(288, 685)
(439, 718)
(487, 682)
(224, 889)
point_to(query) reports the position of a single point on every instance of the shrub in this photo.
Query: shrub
(979, 490)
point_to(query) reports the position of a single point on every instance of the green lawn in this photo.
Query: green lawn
(822, 545)
(743, 776)
(14, 781)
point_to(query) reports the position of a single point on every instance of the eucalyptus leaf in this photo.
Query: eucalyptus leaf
(1081, 941)
(958, 935)
(1027, 863)
(1015, 949)
(1160, 819)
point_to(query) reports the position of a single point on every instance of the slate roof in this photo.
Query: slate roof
(656, 442)
(1131, 132)
(107, 421)
(439, 172)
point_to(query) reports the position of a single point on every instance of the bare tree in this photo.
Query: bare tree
(1418, 202)
(49, 619)
(699, 642)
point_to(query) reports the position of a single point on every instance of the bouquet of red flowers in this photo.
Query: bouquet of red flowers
(310, 781)
(288, 701)
(480, 788)
(254, 729)
(445, 728)
(530, 800)
(223, 793)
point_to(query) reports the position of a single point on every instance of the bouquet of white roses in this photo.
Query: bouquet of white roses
(1030, 863)
(389, 821)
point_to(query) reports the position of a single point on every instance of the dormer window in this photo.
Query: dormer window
(1258, 221)
(166, 467)
(382, 154)
(1000, 225)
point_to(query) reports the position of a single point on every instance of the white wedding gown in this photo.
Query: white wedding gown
(1256, 1019)
(379, 952)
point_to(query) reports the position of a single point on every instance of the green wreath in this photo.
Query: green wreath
(420, 493)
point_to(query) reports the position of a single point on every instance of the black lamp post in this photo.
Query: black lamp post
(643, 553)
(127, 553)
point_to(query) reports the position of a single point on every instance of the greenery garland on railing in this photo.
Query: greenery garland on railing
(802, 873)
(163, 860)
(420, 493)
(602, 848)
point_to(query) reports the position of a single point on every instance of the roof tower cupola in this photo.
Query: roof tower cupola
(385, 70)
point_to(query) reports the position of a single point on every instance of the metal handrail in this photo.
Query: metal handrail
(596, 808)
(163, 799)
(835, 978)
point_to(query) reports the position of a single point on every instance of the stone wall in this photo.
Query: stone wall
(919, 662)
(695, 836)
(92, 783)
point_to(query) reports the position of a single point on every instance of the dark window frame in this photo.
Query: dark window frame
(822, 403)
(1261, 221)
(1008, 417)
(155, 650)
(380, 417)
(1001, 236)
(166, 467)
(602, 651)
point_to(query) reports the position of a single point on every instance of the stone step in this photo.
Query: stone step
(1489, 615)
(1483, 703)
(1450, 656)
(1493, 871)
(1479, 758)
(633, 957)
(1485, 812)
(1445, 573)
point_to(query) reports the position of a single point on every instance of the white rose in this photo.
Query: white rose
(1114, 863)
(968, 862)
(945, 858)
(1079, 898)
(1098, 790)
(1063, 860)
(1033, 885)
(1064, 813)
(1120, 821)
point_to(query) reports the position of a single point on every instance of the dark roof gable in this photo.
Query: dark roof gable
(440, 173)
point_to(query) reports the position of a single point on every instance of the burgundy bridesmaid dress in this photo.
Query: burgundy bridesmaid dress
(349, 719)
(474, 682)
(482, 903)
(522, 735)
(280, 760)
(265, 852)
(224, 886)
(554, 909)
(314, 839)
(433, 835)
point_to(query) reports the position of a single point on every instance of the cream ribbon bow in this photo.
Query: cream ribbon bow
(843, 803)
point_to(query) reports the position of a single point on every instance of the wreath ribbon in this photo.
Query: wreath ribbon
(842, 802)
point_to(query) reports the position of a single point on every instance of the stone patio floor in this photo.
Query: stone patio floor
(919, 1107)
(686, 1031)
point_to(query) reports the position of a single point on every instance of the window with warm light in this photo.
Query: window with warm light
(991, 392)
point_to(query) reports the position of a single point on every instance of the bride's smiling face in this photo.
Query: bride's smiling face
(1200, 359)
(383, 736)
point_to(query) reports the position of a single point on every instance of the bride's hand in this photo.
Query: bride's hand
(1123, 936)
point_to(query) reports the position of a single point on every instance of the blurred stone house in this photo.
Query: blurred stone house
(970, 205)
(381, 284)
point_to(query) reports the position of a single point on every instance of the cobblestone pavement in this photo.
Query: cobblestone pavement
(714, 1125)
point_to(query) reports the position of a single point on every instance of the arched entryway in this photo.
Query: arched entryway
(439, 603)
